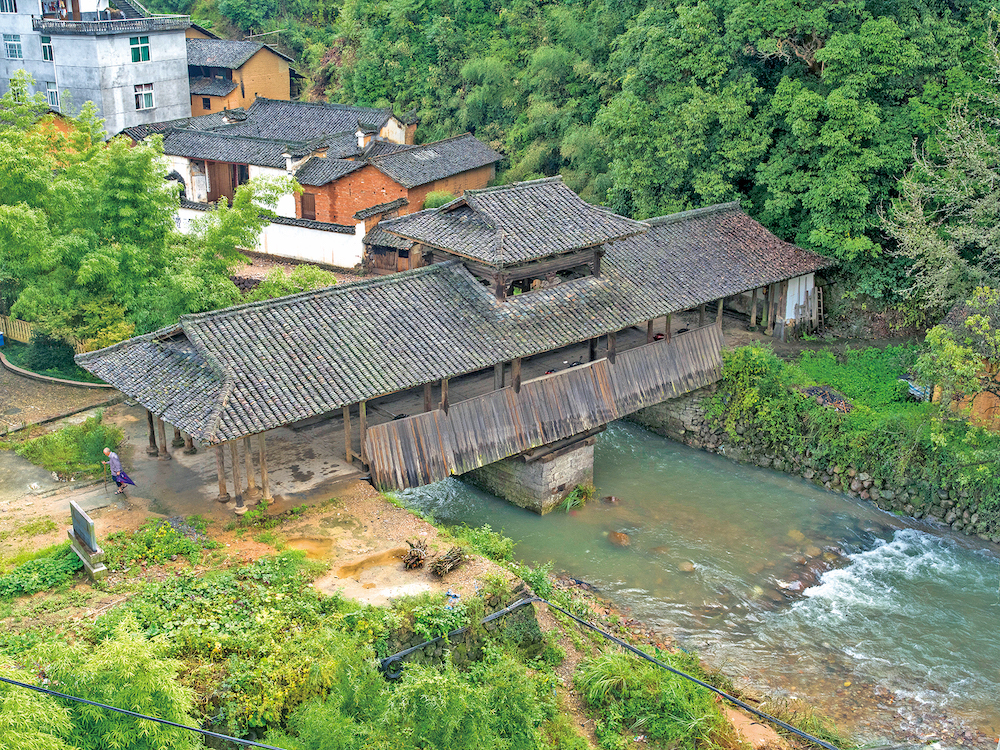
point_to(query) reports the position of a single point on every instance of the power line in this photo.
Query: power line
(216, 735)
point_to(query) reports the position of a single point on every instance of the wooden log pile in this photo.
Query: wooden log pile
(416, 555)
(447, 562)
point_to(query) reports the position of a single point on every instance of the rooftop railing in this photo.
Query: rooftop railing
(117, 26)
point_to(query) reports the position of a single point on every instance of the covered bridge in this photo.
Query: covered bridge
(586, 275)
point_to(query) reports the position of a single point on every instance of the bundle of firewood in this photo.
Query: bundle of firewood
(414, 558)
(448, 562)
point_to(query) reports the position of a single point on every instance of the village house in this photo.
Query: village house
(513, 276)
(132, 66)
(355, 165)
(228, 74)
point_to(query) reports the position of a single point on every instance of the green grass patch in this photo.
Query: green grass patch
(50, 569)
(157, 541)
(33, 528)
(19, 355)
(73, 451)
(485, 541)
(868, 377)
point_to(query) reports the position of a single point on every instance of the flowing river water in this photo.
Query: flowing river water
(887, 625)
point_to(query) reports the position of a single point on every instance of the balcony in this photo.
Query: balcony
(117, 26)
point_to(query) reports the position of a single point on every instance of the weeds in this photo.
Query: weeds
(579, 497)
(158, 541)
(47, 571)
(74, 451)
(485, 541)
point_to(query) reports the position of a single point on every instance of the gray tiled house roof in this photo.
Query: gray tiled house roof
(217, 146)
(378, 237)
(224, 53)
(381, 208)
(513, 224)
(419, 165)
(234, 372)
(319, 171)
(303, 121)
(210, 86)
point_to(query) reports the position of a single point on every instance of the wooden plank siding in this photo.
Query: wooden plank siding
(434, 445)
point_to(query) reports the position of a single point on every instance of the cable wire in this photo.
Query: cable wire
(207, 733)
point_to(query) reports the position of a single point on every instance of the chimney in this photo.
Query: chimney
(289, 170)
(361, 138)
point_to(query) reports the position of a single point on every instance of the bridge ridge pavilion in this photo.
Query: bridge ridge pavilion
(520, 277)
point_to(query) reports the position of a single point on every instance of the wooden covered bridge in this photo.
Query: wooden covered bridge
(514, 273)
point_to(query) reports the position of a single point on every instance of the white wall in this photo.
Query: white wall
(394, 131)
(286, 203)
(297, 243)
(797, 289)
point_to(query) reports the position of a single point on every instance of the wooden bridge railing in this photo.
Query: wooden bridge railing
(434, 445)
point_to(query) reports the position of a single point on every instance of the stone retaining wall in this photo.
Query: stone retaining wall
(683, 419)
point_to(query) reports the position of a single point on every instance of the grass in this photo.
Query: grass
(16, 353)
(74, 451)
(33, 528)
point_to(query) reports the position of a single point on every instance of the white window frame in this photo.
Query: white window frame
(52, 94)
(11, 45)
(8, 6)
(138, 47)
(144, 96)
(47, 53)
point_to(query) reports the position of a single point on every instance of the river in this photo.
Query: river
(887, 625)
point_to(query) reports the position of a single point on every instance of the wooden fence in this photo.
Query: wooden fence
(434, 445)
(21, 330)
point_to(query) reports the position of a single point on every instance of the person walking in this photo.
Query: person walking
(115, 464)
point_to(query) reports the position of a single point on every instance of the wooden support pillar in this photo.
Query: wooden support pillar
(592, 350)
(667, 325)
(515, 375)
(428, 404)
(234, 456)
(753, 309)
(612, 346)
(771, 310)
(444, 395)
(164, 453)
(718, 313)
(348, 447)
(363, 428)
(252, 494)
(151, 449)
(178, 441)
(220, 467)
(649, 332)
(189, 447)
(701, 315)
(265, 485)
(782, 302)
(598, 255)
(499, 370)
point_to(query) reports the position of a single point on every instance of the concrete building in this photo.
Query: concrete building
(134, 69)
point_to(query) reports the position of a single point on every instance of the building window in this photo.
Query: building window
(47, 49)
(52, 94)
(206, 103)
(8, 6)
(144, 96)
(308, 206)
(12, 46)
(140, 49)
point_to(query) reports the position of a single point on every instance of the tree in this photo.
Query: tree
(126, 671)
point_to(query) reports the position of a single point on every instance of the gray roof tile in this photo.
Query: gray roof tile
(381, 208)
(303, 121)
(225, 53)
(210, 86)
(318, 171)
(419, 165)
(218, 146)
(513, 224)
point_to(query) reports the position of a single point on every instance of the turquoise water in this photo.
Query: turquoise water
(887, 624)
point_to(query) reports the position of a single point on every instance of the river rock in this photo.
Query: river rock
(857, 485)
(686, 567)
(808, 474)
(864, 476)
(610, 500)
(619, 539)
(660, 551)
(796, 536)
(813, 551)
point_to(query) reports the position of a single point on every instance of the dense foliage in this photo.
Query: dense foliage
(72, 451)
(806, 113)
(887, 435)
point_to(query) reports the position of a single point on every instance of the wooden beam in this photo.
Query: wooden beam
(753, 309)
(500, 286)
(592, 350)
(598, 255)
(428, 404)
(701, 315)
(234, 457)
(649, 332)
(718, 313)
(348, 448)
(444, 395)
(363, 428)
(515, 375)
(612, 346)
(164, 453)
(771, 308)
(252, 492)
(667, 325)
(265, 485)
(498, 373)
(220, 467)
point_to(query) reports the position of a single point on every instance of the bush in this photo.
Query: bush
(42, 573)
(485, 541)
(31, 720)
(438, 198)
(74, 451)
(156, 541)
(46, 352)
(637, 697)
